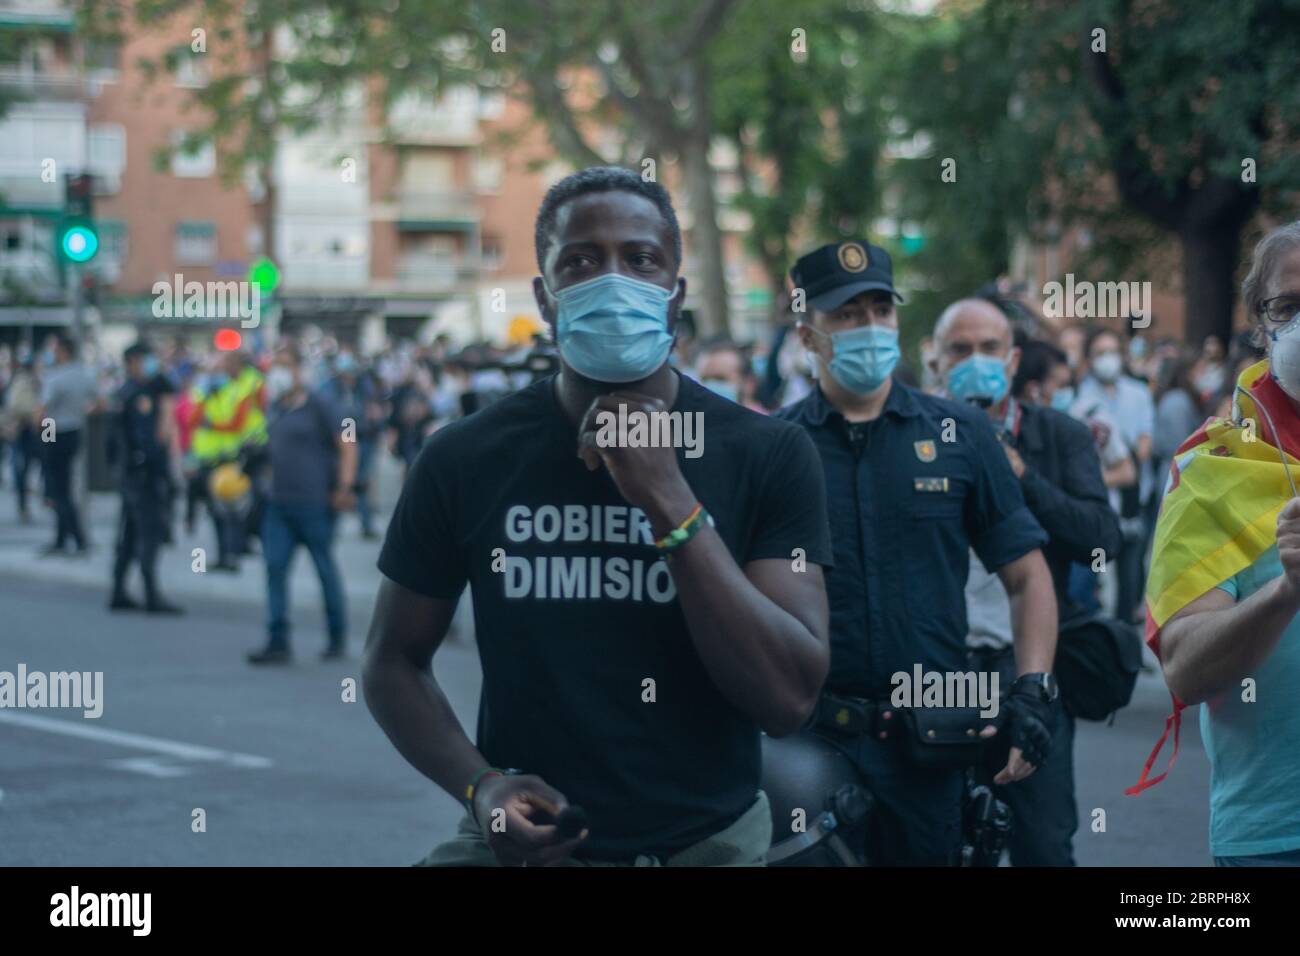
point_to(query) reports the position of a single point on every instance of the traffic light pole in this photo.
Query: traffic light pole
(78, 305)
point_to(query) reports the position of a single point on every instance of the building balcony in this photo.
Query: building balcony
(31, 134)
(30, 85)
(423, 273)
(31, 274)
(21, 190)
(52, 14)
(320, 275)
(421, 210)
(450, 121)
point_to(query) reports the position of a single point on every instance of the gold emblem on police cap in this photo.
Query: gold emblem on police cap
(853, 257)
(924, 450)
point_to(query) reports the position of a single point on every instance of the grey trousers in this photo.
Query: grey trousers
(744, 843)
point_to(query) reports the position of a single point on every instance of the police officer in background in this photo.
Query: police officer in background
(916, 481)
(1055, 461)
(143, 447)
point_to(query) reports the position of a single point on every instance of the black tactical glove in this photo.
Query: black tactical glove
(1028, 722)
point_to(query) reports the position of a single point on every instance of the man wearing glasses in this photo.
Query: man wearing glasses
(1224, 589)
(913, 482)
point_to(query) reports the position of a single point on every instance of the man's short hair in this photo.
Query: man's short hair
(1037, 359)
(137, 350)
(722, 344)
(66, 342)
(1094, 333)
(601, 179)
(289, 350)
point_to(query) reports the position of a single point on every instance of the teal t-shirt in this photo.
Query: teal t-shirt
(1254, 748)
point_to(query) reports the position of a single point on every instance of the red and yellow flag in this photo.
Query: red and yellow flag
(1226, 485)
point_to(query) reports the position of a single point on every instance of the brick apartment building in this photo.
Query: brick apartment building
(371, 237)
(400, 226)
(405, 228)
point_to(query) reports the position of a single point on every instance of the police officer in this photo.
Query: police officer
(142, 447)
(915, 481)
(1055, 461)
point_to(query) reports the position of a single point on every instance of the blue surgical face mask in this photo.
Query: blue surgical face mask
(47, 357)
(1062, 399)
(725, 389)
(861, 359)
(613, 328)
(980, 376)
(150, 366)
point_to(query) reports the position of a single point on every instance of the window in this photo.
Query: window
(488, 173)
(428, 172)
(195, 243)
(491, 104)
(36, 55)
(112, 239)
(103, 57)
(106, 149)
(200, 161)
(191, 69)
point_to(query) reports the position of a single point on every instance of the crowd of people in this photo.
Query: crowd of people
(272, 445)
(993, 508)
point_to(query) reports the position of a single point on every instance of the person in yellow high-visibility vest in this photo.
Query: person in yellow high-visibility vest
(217, 431)
(250, 405)
(249, 418)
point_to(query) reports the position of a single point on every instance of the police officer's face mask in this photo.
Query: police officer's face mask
(613, 328)
(979, 378)
(150, 366)
(862, 358)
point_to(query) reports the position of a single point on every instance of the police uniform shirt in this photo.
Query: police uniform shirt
(911, 493)
(139, 405)
(575, 611)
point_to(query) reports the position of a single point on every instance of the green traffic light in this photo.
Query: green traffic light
(80, 244)
(264, 275)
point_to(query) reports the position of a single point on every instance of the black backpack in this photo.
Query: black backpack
(1097, 663)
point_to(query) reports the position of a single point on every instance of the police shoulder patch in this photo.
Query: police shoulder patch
(925, 450)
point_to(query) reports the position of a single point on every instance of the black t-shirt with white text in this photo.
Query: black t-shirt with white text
(576, 614)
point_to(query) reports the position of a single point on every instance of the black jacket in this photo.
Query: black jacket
(1063, 488)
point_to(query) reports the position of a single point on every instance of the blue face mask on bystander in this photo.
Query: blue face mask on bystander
(613, 328)
(979, 377)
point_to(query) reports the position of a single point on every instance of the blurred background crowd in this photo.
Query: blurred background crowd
(1140, 395)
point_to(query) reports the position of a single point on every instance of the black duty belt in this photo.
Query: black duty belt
(857, 716)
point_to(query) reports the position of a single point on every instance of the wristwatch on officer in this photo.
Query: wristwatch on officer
(1045, 684)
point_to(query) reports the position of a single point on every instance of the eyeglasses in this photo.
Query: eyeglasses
(1280, 309)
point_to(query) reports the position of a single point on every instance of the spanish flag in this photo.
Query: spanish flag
(1226, 485)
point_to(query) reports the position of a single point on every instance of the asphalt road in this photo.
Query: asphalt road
(327, 789)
